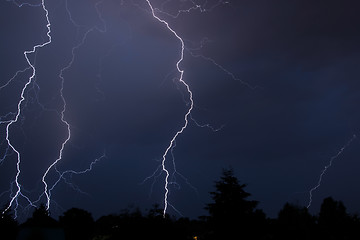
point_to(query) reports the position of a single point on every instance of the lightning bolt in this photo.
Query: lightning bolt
(193, 53)
(176, 173)
(14, 77)
(194, 7)
(190, 101)
(72, 172)
(173, 177)
(332, 159)
(16, 115)
(68, 137)
(170, 178)
(47, 191)
(24, 4)
(186, 116)
(18, 112)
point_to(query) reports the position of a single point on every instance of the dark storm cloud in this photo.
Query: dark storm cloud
(303, 56)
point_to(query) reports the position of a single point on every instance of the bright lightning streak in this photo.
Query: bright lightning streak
(63, 120)
(10, 146)
(326, 168)
(61, 151)
(169, 179)
(181, 72)
(173, 177)
(187, 116)
(22, 99)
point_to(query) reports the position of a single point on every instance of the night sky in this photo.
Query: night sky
(275, 87)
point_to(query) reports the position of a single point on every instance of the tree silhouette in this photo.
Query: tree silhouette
(41, 218)
(332, 212)
(295, 222)
(41, 226)
(231, 214)
(334, 222)
(132, 224)
(77, 223)
(8, 226)
(155, 212)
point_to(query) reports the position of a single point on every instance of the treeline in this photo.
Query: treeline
(231, 216)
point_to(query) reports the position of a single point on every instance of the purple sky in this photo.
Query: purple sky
(123, 98)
